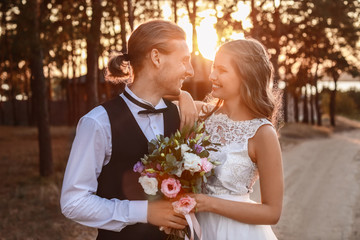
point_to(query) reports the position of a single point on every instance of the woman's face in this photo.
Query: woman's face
(225, 82)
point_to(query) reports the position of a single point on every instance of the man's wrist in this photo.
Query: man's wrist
(138, 211)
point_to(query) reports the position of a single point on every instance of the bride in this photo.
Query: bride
(241, 122)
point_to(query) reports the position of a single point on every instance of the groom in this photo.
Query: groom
(100, 189)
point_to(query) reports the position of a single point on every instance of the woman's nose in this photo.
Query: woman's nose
(212, 76)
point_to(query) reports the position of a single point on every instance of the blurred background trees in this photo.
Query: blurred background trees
(53, 53)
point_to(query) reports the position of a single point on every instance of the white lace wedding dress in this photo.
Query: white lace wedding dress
(233, 179)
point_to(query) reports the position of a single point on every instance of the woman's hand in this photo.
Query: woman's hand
(203, 202)
(188, 111)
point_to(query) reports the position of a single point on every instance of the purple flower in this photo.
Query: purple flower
(198, 148)
(138, 167)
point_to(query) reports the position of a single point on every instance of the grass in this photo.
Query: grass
(29, 204)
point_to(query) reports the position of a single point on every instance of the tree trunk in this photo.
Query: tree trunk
(74, 87)
(333, 102)
(28, 95)
(13, 94)
(192, 18)
(275, 58)
(122, 25)
(11, 74)
(317, 105)
(285, 107)
(39, 93)
(69, 96)
(195, 48)
(175, 11)
(131, 14)
(312, 117)
(296, 106)
(253, 13)
(93, 43)
(2, 92)
(305, 107)
(2, 113)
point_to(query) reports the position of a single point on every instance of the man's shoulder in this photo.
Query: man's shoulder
(98, 113)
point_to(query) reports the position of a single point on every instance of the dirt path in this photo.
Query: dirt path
(322, 190)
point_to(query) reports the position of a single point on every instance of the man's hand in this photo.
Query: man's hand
(161, 213)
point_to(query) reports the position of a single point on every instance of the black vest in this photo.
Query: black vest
(117, 179)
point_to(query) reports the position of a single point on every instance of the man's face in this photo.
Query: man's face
(175, 68)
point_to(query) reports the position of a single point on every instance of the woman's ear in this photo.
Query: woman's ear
(155, 57)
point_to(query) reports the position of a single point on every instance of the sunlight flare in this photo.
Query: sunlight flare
(187, 27)
(242, 13)
(207, 37)
(167, 12)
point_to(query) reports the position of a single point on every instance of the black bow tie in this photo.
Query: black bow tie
(148, 108)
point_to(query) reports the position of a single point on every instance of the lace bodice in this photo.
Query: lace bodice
(237, 173)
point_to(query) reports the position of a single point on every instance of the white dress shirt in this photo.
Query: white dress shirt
(91, 150)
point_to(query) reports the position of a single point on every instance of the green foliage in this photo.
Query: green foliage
(347, 103)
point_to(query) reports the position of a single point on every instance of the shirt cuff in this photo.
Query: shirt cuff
(138, 211)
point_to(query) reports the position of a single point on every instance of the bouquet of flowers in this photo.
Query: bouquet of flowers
(176, 165)
(179, 164)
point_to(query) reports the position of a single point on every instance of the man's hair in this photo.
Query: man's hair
(153, 34)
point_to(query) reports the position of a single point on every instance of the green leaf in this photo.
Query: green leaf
(204, 154)
(198, 137)
(200, 127)
(178, 134)
(170, 158)
(150, 170)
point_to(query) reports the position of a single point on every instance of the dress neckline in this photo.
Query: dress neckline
(226, 117)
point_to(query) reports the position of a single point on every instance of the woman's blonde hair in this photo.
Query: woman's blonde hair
(153, 34)
(251, 63)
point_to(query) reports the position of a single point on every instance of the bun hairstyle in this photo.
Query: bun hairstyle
(154, 34)
(251, 62)
(119, 69)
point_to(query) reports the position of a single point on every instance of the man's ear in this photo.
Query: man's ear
(155, 57)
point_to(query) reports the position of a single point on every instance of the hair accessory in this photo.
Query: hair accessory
(126, 56)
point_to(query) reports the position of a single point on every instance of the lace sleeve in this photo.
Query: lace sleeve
(256, 126)
(206, 108)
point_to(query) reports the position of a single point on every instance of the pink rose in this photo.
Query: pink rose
(206, 165)
(184, 205)
(170, 187)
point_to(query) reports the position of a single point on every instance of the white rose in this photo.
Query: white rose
(184, 148)
(179, 171)
(150, 185)
(192, 162)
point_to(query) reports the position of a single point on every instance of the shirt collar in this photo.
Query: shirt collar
(161, 103)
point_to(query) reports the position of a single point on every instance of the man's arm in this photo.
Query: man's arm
(79, 201)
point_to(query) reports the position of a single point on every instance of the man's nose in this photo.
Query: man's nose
(190, 70)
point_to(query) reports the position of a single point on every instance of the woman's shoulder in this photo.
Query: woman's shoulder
(264, 131)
